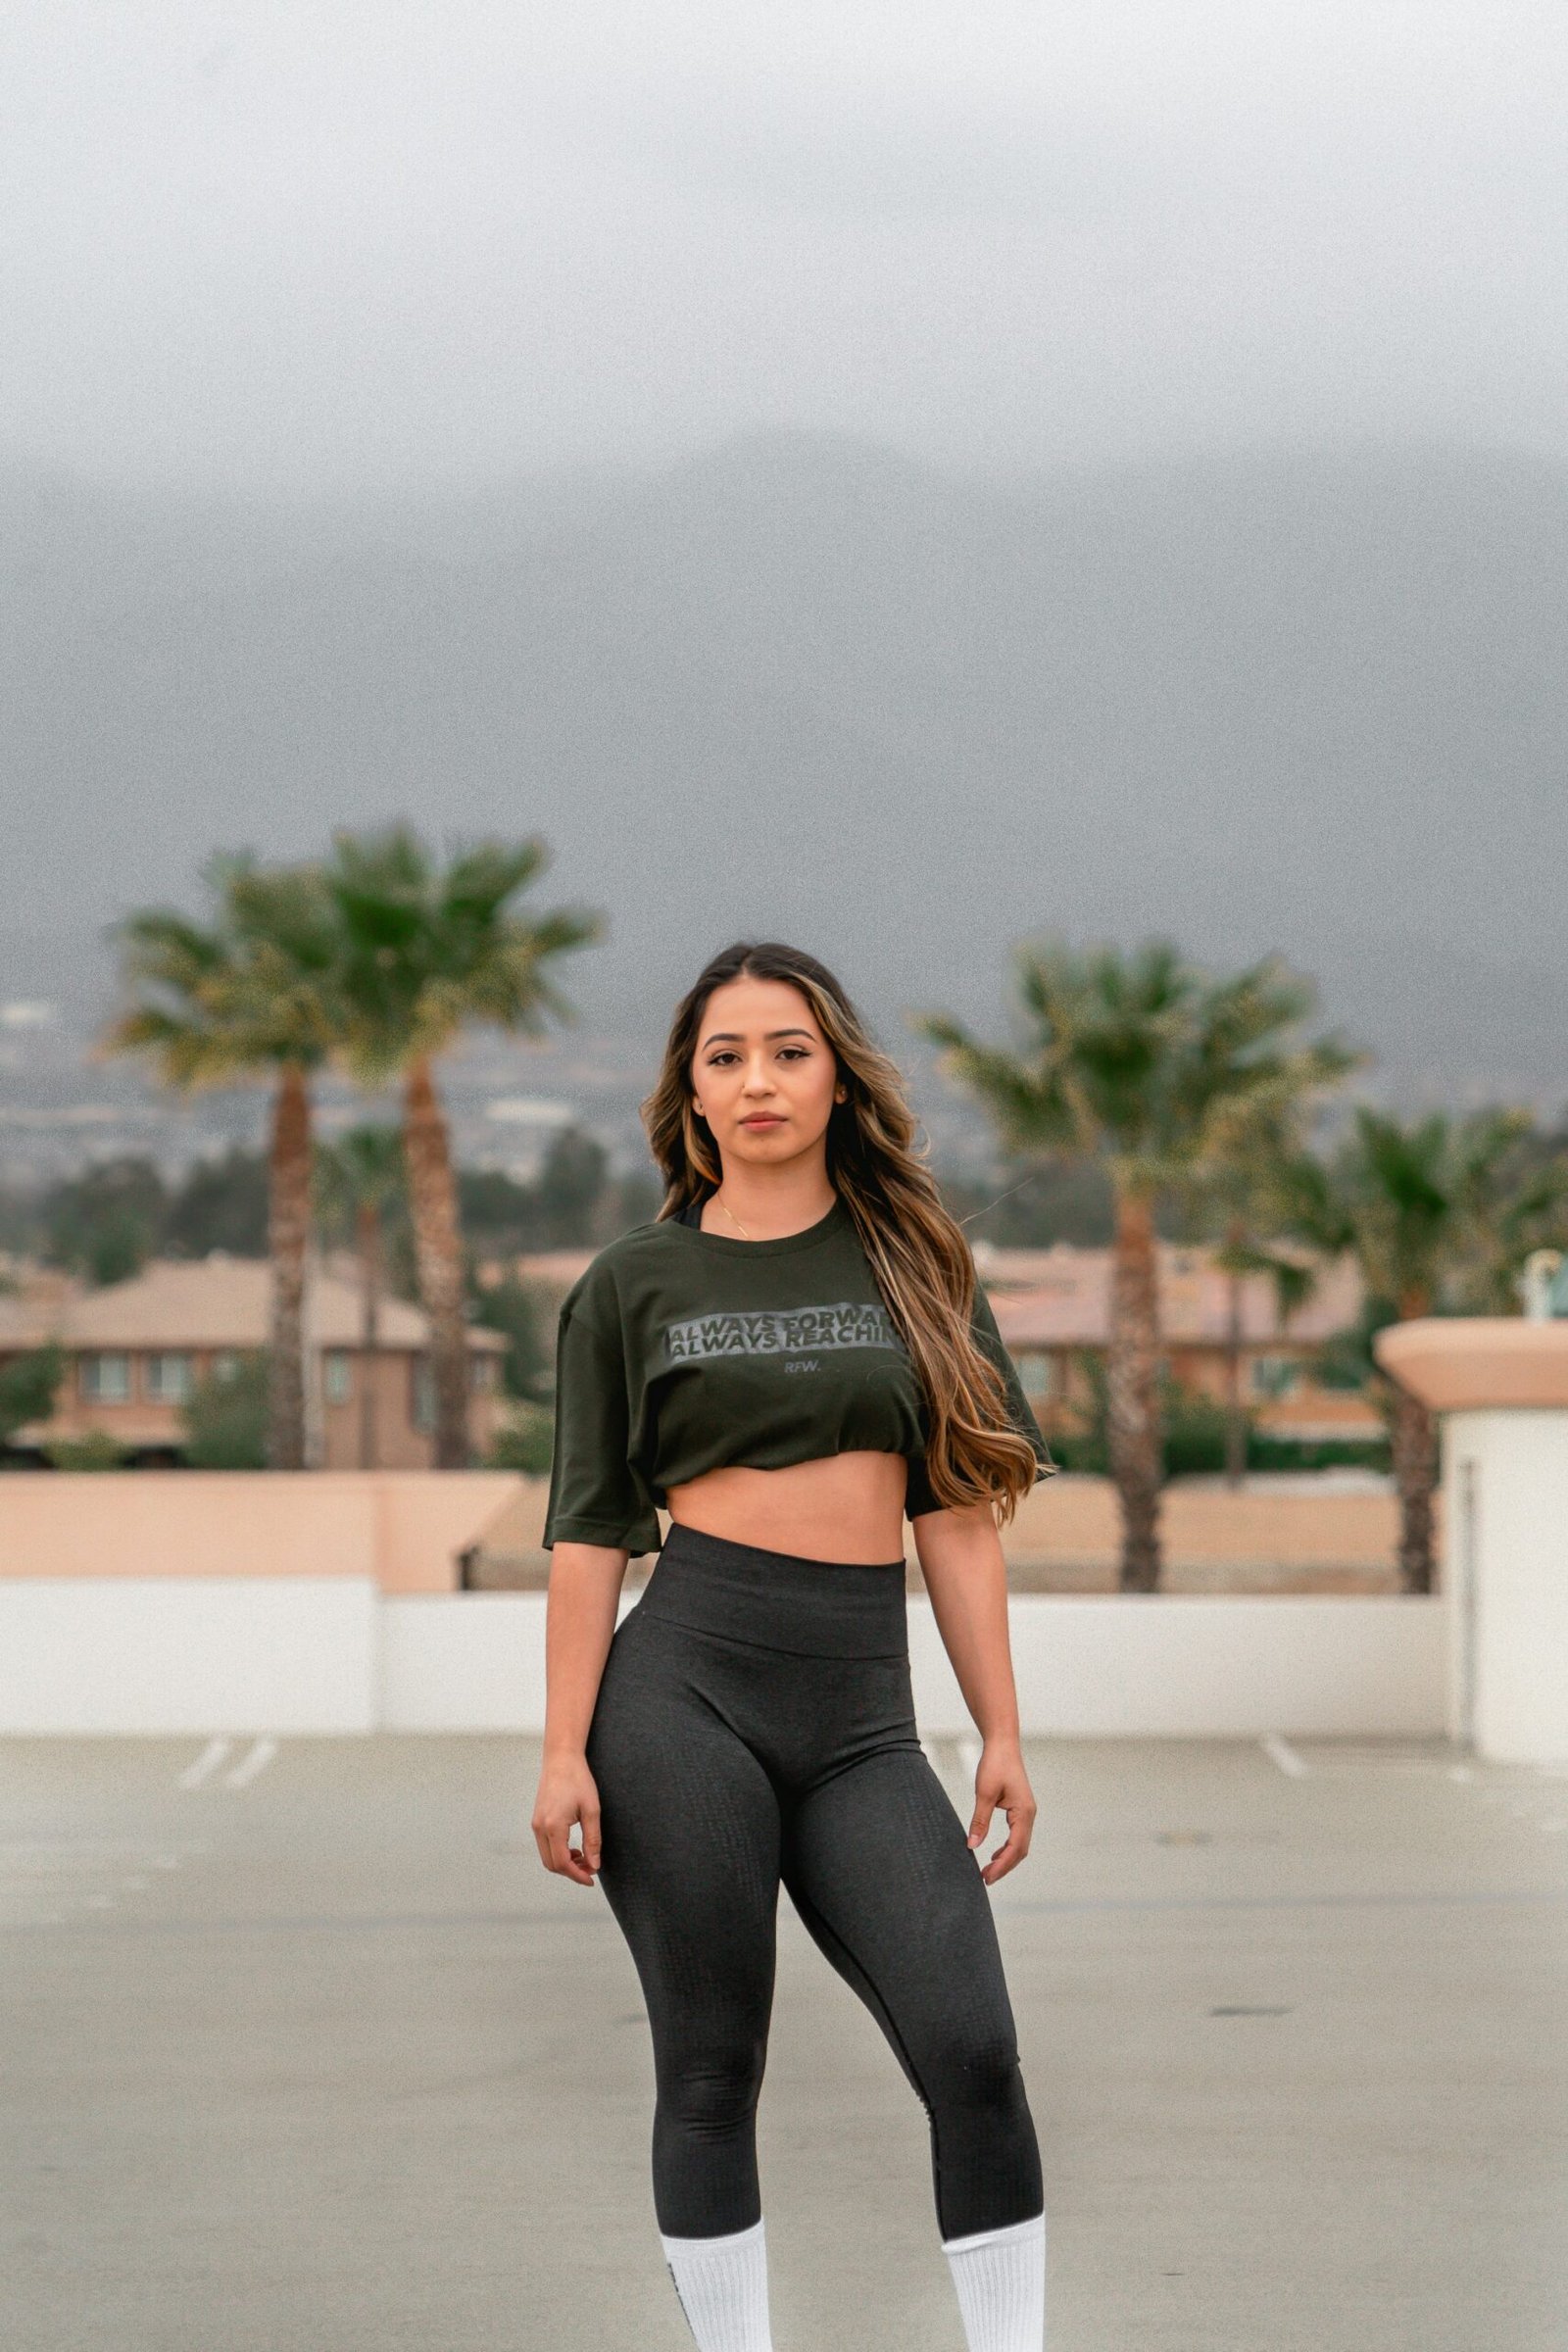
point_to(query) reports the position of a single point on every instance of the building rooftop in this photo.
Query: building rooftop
(210, 1302)
(1060, 1298)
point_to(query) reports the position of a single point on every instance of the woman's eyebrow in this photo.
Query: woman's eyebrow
(733, 1037)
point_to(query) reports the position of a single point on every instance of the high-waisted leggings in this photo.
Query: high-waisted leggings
(755, 1727)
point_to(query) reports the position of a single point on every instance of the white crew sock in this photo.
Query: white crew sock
(722, 2286)
(1000, 2278)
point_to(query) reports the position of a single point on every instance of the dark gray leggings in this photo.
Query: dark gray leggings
(753, 1726)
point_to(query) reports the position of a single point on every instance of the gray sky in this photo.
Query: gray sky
(363, 242)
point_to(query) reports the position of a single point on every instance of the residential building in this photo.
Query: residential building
(1052, 1307)
(135, 1351)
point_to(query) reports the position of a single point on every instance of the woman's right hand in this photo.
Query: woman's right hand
(567, 1796)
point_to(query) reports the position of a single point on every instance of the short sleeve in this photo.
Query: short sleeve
(918, 1497)
(596, 1496)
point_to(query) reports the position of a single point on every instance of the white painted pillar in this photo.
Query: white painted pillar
(1501, 1383)
(1505, 1511)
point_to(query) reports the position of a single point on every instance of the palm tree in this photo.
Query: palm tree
(430, 948)
(1241, 1196)
(359, 1178)
(1151, 1066)
(253, 991)
(1439, 1214)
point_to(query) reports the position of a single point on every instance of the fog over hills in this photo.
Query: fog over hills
(803, 687)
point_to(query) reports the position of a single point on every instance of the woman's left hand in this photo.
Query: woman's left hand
(1002, 1785)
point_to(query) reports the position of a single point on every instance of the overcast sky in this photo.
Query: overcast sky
(363, 242)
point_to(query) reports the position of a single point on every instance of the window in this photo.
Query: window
(106, 1378)
(421, 1398)
(225, 1365)
(169, 1378)
(338, 1376)
(481, 1374)
(1036, 1373)
(1275, 1375)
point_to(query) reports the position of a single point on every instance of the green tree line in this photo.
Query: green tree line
(105, 1222)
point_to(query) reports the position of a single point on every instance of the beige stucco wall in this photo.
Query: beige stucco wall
(1075, 1519)
(402, 1529)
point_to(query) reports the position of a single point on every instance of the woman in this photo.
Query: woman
(793, 1359)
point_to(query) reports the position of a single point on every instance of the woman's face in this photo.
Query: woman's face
(763, 1075)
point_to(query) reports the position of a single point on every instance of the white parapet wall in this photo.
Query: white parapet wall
(1185, 1666)
(287, 1654)
(1093, 1668)
(130, 1653)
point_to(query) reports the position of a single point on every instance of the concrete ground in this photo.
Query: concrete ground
(302, 2052)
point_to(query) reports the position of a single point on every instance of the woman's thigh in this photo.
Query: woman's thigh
(690, 1839)
(877, 1862)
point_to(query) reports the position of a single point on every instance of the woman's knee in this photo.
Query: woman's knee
(974, 2063)
(706, 2088)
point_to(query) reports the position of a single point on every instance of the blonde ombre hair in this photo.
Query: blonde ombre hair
(920, 1259)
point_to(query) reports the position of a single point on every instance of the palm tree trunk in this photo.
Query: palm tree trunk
(1414, 1449)
(1235, 1418)
(1135, 1438)
(367, 1218)
(288, 1233)
(438, 1249)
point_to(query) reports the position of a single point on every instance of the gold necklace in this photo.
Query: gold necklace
(733, 1218)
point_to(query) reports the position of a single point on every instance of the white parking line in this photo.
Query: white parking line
(257, 1761)
(78, 1874)
(206, 1764)
(1283, 1756)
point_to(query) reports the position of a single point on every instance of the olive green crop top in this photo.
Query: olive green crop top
(681, 1352)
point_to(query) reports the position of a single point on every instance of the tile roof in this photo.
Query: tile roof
(214, 1302)
(1060, 1298)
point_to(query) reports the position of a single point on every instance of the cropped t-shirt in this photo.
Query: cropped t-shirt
(680, 1351)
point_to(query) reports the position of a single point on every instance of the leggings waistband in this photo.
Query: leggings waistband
(778, 1600)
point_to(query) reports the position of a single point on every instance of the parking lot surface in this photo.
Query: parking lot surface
(303, 2052)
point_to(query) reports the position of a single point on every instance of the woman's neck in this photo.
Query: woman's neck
(769, 1204)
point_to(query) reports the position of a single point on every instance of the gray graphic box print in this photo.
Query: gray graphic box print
(793, 1330)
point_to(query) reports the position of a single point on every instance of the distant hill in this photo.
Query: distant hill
(798, 685)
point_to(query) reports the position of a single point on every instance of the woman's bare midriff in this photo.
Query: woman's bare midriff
(847, 1507)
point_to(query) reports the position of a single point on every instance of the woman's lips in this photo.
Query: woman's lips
(764, 1118)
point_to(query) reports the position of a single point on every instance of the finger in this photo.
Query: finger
(576, 1869)
(981, 1820)
(1007, 1856)
(558, 1836)
(590, 1835)
(578, 1866)
(1001, 1862)
(1012, 1850)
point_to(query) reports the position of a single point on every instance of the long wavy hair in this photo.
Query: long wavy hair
(917, 1253)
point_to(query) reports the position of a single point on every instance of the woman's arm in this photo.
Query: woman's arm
(585, 1581)
(960, 1559)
